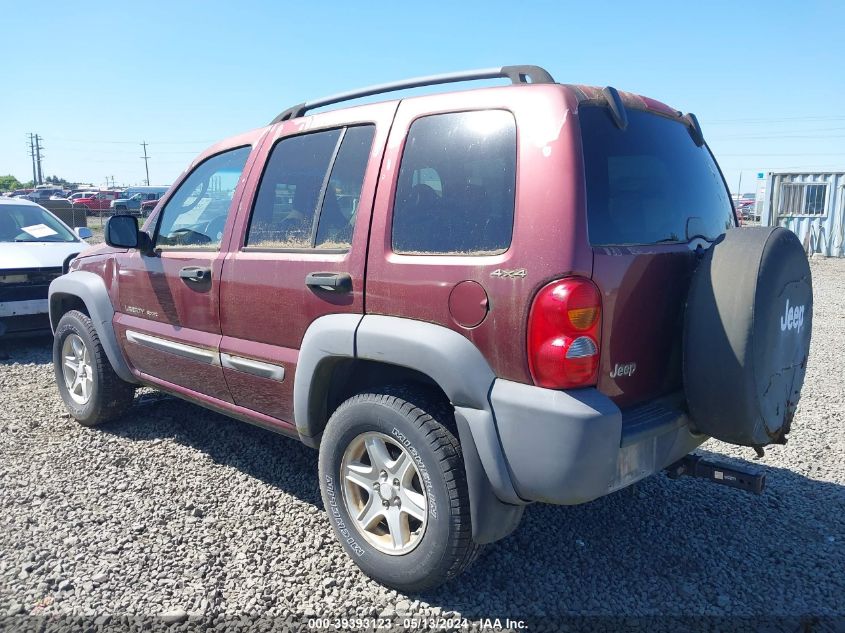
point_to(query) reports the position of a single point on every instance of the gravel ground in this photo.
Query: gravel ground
(176, 512)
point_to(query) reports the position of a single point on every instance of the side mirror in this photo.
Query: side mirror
(122, 231)
(83, 232)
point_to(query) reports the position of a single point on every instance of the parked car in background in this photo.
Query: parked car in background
(134, 197)
(100, 201)
(81, 194)
(20, 192)
(148, 206)
(41, 194)
(746, 206)
(35, 248)
(468, 302)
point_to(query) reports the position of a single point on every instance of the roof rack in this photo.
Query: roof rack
(517, 75)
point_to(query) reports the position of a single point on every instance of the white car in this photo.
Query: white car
(35, 246)
(81, 194)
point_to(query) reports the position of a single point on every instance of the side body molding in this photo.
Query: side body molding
(91, 290)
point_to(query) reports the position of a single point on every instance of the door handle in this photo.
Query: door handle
(195, 274)
(333, 282)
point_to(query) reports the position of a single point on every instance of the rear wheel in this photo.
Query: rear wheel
(393, 484)
(91, 391)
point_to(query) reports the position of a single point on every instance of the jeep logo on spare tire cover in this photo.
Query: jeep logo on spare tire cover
(747, 331)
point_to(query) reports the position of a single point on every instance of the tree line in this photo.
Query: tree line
(10, 183)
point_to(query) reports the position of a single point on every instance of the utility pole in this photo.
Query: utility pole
(146, 163)
(38, 149)
(32, 153)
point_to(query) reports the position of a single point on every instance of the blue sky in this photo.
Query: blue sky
(94, 79)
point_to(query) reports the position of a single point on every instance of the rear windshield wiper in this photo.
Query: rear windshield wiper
(696, 232)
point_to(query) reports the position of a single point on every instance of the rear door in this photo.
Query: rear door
(167, 306)
(307, 212)
(654, 200)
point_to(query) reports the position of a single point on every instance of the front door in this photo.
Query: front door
(310, 213)
(167, 310)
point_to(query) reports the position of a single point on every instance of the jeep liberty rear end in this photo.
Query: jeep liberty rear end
(467, 302)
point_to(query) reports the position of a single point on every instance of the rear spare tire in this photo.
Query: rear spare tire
(747, 336)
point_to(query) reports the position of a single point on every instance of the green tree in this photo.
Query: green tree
(55, 180)
(9, 183)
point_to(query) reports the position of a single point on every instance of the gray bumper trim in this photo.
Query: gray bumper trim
(566, 447)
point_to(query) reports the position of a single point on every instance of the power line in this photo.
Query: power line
(797, 119)
(767, 154)
(774, 137)
(89, 141)
(119, 152)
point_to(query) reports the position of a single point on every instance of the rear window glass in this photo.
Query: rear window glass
(455, 193)
(649, 183)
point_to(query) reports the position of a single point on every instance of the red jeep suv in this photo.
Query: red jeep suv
(467, 302)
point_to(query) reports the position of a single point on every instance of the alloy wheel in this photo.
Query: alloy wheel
(384, 493)
(77, 370)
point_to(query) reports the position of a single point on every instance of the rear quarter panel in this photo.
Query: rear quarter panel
(549, 235)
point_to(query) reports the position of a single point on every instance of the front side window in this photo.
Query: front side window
(196, 213)
(456, 185)
(310, 190)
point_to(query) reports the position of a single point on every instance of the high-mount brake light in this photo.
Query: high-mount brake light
(564, 329)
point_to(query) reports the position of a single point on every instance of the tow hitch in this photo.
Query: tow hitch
(750, 479)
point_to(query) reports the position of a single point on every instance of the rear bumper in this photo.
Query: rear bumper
(570, 447)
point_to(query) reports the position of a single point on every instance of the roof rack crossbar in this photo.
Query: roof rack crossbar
(517, 75)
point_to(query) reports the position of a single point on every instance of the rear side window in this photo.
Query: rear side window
(455, 192)
(310, 190)
(649, 183)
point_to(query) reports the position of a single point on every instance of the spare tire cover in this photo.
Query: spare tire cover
(747, 336)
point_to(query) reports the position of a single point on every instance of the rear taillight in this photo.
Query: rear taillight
(564, 329)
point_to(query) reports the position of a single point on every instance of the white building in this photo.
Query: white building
(812, 205)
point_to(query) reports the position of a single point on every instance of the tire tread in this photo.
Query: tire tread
(434, 417)
(116, 394)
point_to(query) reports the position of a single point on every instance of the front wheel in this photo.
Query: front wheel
(91, 391)
(393, 483)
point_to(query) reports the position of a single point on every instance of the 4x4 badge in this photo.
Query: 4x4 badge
(508, 273)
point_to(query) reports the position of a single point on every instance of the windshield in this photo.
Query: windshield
(30, 223)
(649, 183)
